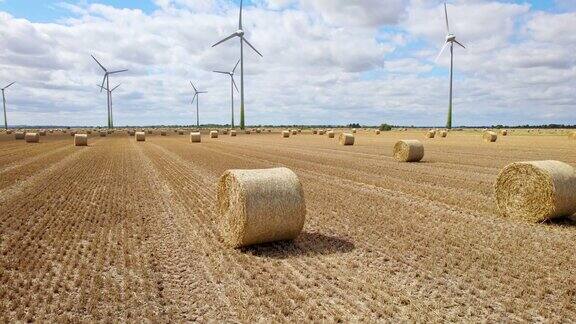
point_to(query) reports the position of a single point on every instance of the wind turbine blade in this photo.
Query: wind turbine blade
(235, 86)
(221, 72)
(103, 80)
(195, 90)
(441, 51)
(193, 98)
(116, 87)
(446, 16)
(233, 70)
(102, 66)
(202, 91)
(240, 19)
(255, 50)
(119, 71)
(457, 42)
(6, 87)
(225, 39)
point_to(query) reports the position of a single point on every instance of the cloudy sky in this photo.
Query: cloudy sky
(325, 61)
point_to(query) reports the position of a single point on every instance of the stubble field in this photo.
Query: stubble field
(129, 231)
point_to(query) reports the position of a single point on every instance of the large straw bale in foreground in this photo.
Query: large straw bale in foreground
(346, 139)
(490, 136)
(32, 138)
(19, 135)
(408, 151)
(536, 191)
(213, 134)
(140, 136)
(81, 140)
(259, 206)
(195, 137)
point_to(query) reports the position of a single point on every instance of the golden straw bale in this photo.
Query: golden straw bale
(431, 134)
(180, 132)
(102, 134)
(536, 191)
(408, 151)
(195, 137)
(232, 133)
(247, 132)
(321, 132)
(346, 139)
(572, 135)
(19, 135)
(490, 136)
(163, 133)
(224, 132)
(81, 140)
(443, 133)
(42, 132)
(314, 131)
(294, 132)
(377, 132)
(259, 206)
(213, 134)
(8, 132)
(32, 137)
(285, 134)
(504, 132)
(330, 134)
(140, 136)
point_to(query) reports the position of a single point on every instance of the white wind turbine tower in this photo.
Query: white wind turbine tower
(232, 86)
(4, 102)
(450, 40)
(106, 80)
(240, 34)
(111, 106)
(197, 97)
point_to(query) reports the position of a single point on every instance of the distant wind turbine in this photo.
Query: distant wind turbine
(232, 86)
(111, 106)
(240, 34)
(450, 40)
(4, 101)
(197, 97)
(106, 80)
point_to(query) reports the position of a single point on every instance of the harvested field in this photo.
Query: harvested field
(124, 231)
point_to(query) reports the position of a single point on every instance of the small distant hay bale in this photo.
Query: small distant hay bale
(294, 132)
(260, 206)
(110, 132)
(88, 132)
(408, 151)
(314, 131)
(224, 132)
(346, 139)
(490, 136)
(572, 135)
(195, 137)
(32, 138)
(443, 133)
(131, 132)
(299, 130)
(102, 134)
(64, 131)
(149, 132)
(431, 134)
(330, 134)
(81, 140)
(8, 132)
(247, 132)
(353, 130)
(232, 133)
(42, 133)
(140, 137)
(285, 134)
(377, 132)
(19, 135)
(536, 191)
(269, 131)
(258, 130)
(163, 133)
(72, 133)
(213, 134)
(321, 132)
(504, 132)
(180, 132)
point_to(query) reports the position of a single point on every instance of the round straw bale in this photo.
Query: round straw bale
(42, 133)
(490, 136)
(150, 131)
(536, 191)
(353, 130)
(285, 134)
(346, 139)
(314, 131)
(19, 135)
(321, 132)
(8, 132)
(294, 132)
(131, 132)
(180, 132)
(232, 133)
(572, 135)
(213, 134)
(224, 132)
(443, 133)
(195, 137)
(72, 133)
(32, 138)
(299, 130)
(504, 132)
(377, 132)
(81, 140)
(140, 136)
(247, 132)
(259, 206)
(330, 134)
(408, 151)
(102, 134)
(258, 130)
(88, 132)
(163, 133)
(431, 134)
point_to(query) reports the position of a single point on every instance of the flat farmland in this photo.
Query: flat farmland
(129, 231)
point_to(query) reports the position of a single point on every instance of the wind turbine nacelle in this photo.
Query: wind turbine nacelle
(450, 37)
(240, 32)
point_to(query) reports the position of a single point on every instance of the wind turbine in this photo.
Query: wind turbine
(450, 40)
(106, 80)
(4, 101)
(110, 95)
(240, 34)
(197, 97)
(232, 86)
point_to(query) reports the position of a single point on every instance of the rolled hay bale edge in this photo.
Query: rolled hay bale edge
(346, 139)
(81, 140)
(408, 151)
(140, 137)
(213, 134)
(32, 138)
(536, 191)
(490, 136)
(195, 137)
(259, 206)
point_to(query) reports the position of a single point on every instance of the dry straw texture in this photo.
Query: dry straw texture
(102, 134)
(321, 132)
(443, 133)
(315, 132)
(19, 135)
(32, 138)
(224, 132)
(162, 133)
(195, 137)
(572, 135)
(8, 132)
(346, 139)
(80, 140)
(180, 132)
(247, 132)
(285, 134)
(42, 133)
(259, 206)
(504, 132)
(431, 134)
(131, 132)
(490, 136)
(331, 134)
(408, 151)
(232, 133)
(72, 133)
(140, 136)
(536, 191)
(149, 132)
(213, 134)
(294, 132)
(377, 132)
(353, 130)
